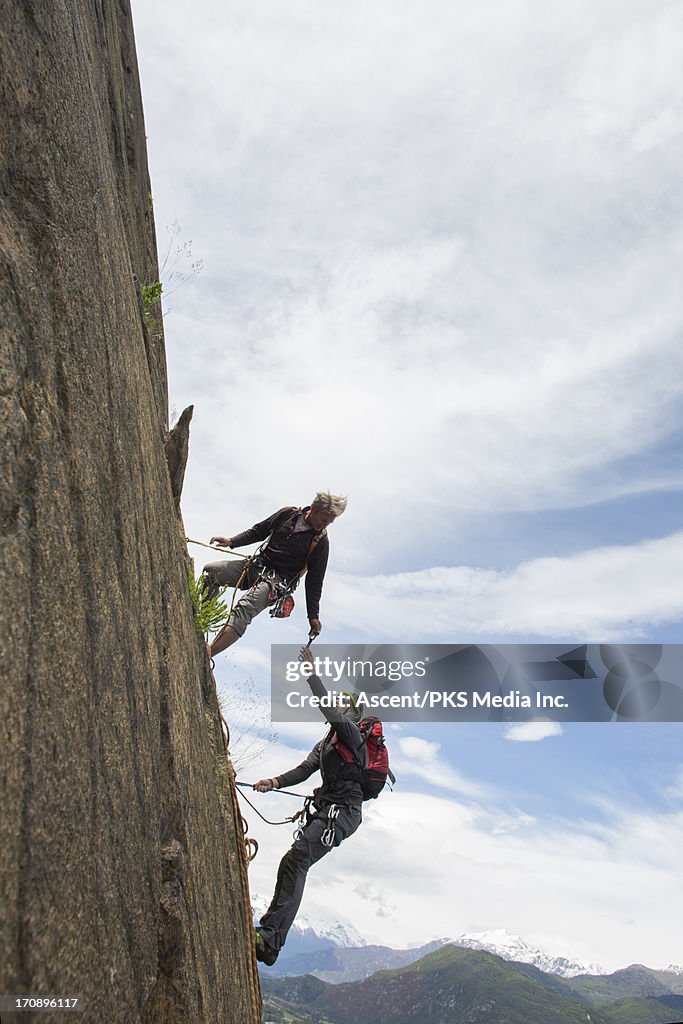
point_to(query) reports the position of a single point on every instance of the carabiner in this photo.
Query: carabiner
(329, 835)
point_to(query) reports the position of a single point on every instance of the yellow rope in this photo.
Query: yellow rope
(213, 547)
(248, 848)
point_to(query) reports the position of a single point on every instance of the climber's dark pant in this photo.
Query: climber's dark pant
(291, 876)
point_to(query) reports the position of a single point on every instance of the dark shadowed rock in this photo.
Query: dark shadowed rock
(176, 447)
(121, 864)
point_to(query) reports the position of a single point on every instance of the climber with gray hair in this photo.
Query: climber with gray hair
(294, 543)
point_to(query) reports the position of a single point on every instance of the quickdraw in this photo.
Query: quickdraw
(330, 834)
(298, 832)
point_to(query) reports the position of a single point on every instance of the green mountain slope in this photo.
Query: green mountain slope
(663, 1010)
(635, 995)
(450, 986)
(635, 982)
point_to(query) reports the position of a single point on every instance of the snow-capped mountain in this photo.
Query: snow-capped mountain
(309, 932)
(342, 935)
(317, 937)
(512, 947)
(331, 950)
(335, 952)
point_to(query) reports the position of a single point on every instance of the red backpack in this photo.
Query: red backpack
(373, 777)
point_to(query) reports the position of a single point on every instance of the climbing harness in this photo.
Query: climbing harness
(279, 593)
(282, 590)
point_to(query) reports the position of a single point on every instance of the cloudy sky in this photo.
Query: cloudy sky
(441, 250)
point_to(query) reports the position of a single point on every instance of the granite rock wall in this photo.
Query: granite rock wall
(122, 869)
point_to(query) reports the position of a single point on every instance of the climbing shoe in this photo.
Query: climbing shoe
(265, 953)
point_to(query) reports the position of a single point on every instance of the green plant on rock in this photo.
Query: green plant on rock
(177, 267)
(151, 295)
(209, 613)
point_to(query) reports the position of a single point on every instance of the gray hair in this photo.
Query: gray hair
(326, 502)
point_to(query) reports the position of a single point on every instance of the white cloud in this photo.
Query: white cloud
(606, 593)
(511, 823)
(675, 790)
(532, 732)
(244, 656)
(439, 248)
(301, 734)
(412, 755)
(476, 872)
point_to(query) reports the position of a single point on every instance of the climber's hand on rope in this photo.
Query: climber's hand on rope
(224, 542)
(265, 785)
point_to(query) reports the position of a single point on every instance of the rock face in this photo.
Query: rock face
(121, 855)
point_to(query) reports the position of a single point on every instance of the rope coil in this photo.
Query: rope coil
(249, 848)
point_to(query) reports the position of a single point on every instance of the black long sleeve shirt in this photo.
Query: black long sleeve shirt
(286, 551)
(325, 759)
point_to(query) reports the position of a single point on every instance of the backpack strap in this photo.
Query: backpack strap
(314, 543)
(288, 514)
(280, 521)
(317, 537)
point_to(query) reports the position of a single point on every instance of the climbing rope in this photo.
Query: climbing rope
(285, 821)
(248, 851)
(285, 792)
(245, 907)
(214, 547)
(250, 844)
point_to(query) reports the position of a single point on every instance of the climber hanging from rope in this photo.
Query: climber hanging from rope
(295, 544)
(354, 765)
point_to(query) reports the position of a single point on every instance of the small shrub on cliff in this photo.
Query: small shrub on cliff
(177, 266)
(209, 613)
(151, 295)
